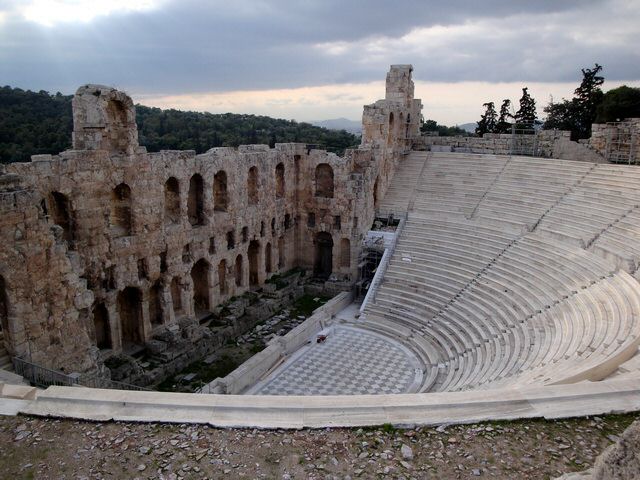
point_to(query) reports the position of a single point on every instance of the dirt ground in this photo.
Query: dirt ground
(35, 448)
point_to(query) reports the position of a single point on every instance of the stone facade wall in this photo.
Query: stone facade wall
(619, 141)
(106, 245)
(548, 143)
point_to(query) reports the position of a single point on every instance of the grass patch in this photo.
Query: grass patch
(204, 373)
(305, 305)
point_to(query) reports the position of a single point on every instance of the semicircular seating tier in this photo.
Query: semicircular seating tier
(512, 270)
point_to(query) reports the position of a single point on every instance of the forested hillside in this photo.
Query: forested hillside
(38, 122)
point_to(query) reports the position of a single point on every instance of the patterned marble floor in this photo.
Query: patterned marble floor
(350, 362)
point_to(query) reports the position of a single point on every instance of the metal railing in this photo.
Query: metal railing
(382, 267)
(45, 377)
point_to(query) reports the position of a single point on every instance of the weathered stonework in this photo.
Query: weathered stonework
(106, 245)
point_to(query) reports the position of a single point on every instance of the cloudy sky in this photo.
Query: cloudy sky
(318, 59)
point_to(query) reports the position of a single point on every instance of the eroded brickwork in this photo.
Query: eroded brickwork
(106, 245)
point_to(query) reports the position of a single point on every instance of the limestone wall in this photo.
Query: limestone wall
(546, 143)
(106, 245)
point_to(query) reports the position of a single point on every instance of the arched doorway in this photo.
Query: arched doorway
(172, 201)
(222, 277)
(220, 192)
(155, 304)
(254, 253)
(130, 313)
(195, 200)
(176, 296)
(268, 266)
(323, 265)
(120, 218)
(324, 180)
(200, 278)
(376, 194)
(102, 327)
(252, 186)
(60, 208)
(280, 180)
(281, 257)
(345, 253)
(238, 271)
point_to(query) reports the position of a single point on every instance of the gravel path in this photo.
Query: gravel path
(63, 449)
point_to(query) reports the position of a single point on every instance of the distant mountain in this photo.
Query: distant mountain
(350, 126)
(469, 127)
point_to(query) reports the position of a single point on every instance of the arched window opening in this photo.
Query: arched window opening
(345, 253)
(220, 192)
(176, 296)
(155, 304)
(120, 218)
(273, 227)
(262, 229)
(130, 312)
(252, 186)
(60, 209)
(280, 186)
(200, 278)
(101, 326)
(172, 201)
(281, 253)
(254, 254)
(268, 266)
(222, 277)
(323, 265)
(195, 201)
(324, 181)
(238, 271)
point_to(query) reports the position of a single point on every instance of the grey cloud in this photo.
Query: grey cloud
(189, 46)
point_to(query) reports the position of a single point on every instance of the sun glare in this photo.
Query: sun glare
(51, 12)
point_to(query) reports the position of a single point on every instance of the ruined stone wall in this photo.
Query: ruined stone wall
(548, 143)
(617, 141)
(107, 245)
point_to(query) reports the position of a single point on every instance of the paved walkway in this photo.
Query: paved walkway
(349, 362)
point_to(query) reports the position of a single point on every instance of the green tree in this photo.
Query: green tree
(526, 114)
(487, 123)
(443, 130)
(618, 104)
(504, 125)
(578, 114)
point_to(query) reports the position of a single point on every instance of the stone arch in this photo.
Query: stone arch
(195, 200)
(200, 278)
(281, 253)
(280, 185)
(324, 180)
(172, 200)
(102, 326)
(390, 132)
(238, 271)
(120, 218)
(323, 265)
(220, 192)
(155, 304)
(60, 209)
(253, 252)
(129, 304)
(222, 276)
(345, 253)
(117, 118)
(176, 296)
(268, 265)
(252, 186)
